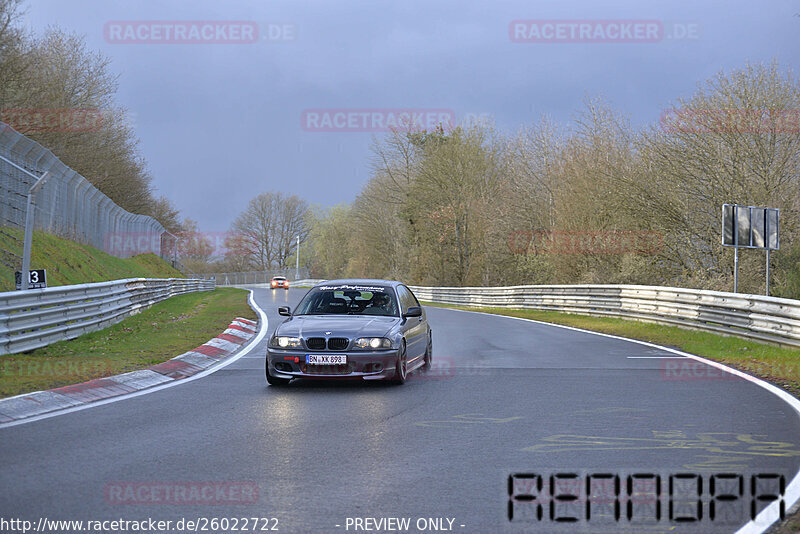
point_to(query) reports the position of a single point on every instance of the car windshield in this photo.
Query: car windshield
(348, 300)
(279, 278)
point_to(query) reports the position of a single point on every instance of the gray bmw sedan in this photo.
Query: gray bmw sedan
(351, 329)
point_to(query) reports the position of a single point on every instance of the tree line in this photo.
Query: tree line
(60, 93)
(592, 201)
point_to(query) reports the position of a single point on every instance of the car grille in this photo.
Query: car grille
(315, 343)
(327, 369)
(338, 343)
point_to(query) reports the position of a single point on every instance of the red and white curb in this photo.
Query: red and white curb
(239, 332)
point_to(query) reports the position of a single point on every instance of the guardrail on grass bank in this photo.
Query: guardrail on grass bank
(38, 317)
(770, 319)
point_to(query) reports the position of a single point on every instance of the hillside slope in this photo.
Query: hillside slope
(68, 262)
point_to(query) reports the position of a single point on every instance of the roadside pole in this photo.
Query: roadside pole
(29, 220)
(297, 264)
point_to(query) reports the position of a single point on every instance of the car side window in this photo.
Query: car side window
(413, 297)
(406, 298)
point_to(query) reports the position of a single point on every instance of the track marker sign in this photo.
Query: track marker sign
(750, 227)
(37, 279)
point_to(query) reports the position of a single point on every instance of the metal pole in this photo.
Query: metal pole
(297, 265)
(767, 292)
(736, 270)
(29, 220)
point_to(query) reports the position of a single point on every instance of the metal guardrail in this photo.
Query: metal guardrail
(251, 277)
(769, 319)
(307, 282)
(38, 317)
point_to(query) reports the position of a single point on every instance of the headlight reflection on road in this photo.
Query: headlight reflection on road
(278, 426)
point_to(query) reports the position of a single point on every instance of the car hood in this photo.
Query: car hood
(350, 326)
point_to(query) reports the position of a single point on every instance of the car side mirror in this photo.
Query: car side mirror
(413, 311)
(286, 311)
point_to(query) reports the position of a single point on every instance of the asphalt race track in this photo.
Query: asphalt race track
(505, 397)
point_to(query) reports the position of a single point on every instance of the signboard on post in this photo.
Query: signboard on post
(749, 227)
(37, 279)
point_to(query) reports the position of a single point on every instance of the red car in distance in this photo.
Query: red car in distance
(278, 282)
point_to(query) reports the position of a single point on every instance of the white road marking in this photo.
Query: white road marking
(224, 363)
(771, 513)
(654, 357)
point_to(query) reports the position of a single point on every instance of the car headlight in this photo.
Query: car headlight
(285, 342)
(372, 343)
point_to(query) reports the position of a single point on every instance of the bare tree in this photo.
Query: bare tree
(269, 228)
(735, 140)
(195, 248)
(14, 53)
(167, 214)
(59, 77)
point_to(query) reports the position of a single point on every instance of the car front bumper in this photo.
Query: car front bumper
(361, 365)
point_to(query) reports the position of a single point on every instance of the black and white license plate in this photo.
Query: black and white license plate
(326, 359)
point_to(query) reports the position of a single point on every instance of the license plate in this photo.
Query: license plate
(326, 359)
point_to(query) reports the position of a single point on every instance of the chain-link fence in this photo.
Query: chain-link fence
(67, 205)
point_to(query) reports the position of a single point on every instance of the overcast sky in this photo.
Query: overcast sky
(222, 122)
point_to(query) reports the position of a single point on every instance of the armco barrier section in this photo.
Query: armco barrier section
(308, 282)
(252, 278)
(38, 317)
(770, 319)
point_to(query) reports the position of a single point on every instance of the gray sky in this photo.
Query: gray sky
(220, 123)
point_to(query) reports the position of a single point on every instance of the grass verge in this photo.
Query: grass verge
(69, 262)
(777, 365)
(157, 334)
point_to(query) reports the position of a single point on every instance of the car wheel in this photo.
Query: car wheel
(400, 367)
(428, 355)
(275, 381)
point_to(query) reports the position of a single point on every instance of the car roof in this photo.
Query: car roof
(360, 282)
(281, 277)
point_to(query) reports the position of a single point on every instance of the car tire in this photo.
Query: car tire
(400, 367)
(428, 354)
(275, 381)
